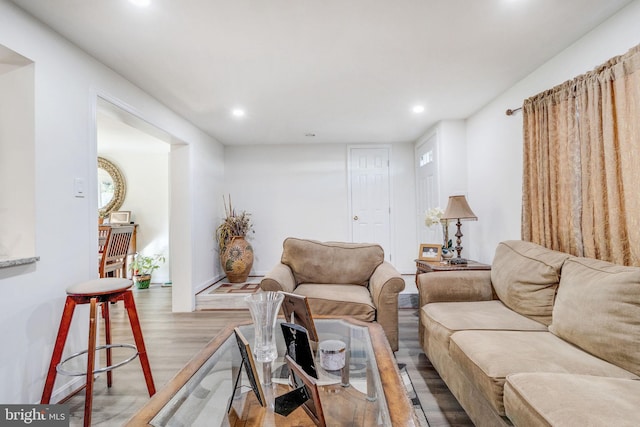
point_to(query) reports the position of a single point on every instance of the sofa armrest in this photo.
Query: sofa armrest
(455, 286)
(385, 284)
(280, 278)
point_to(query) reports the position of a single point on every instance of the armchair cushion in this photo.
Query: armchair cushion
(322, 262)
(339, 300)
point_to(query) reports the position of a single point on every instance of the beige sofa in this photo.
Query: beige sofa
(544, 338)
(340, 279)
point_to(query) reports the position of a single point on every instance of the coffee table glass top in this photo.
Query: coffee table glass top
(206, 396)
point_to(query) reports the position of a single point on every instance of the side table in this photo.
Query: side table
(435, 266)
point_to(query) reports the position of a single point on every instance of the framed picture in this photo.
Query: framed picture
(120, 217)
(296, 310)
(250, 368)
(307, 390)
(430, 252)
(296, 339)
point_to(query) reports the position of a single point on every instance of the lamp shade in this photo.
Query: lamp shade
(458, 208)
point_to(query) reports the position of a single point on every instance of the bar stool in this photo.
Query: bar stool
(99, 291)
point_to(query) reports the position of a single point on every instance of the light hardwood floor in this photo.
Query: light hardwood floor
(173, 338)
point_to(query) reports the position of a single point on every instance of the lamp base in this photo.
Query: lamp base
(459, 261)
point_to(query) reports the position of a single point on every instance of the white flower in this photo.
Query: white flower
(433, 216)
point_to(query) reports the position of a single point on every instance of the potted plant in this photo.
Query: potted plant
(236, 254)
(142, 266)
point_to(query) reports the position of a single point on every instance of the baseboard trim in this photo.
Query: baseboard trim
(63, 393)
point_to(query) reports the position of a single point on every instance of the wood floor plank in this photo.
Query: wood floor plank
(172, 339)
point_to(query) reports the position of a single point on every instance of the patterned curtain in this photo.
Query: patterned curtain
(581, 182)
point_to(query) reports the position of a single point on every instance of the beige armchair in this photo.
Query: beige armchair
(340, 279)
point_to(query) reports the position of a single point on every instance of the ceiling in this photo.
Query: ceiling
(344, 71)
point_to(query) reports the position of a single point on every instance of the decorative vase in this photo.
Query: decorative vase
(264, 308)
(142, 281)
(447, 255)
(237, 259)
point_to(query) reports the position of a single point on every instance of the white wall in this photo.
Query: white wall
(67, 84)
(302, 191)
(495, 140)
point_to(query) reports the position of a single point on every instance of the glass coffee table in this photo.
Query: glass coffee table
(368, 392)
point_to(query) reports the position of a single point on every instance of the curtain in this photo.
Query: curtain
(581, 174)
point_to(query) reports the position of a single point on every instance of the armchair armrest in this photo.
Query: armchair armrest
(280, 278)
(385, 284)
(455, 286)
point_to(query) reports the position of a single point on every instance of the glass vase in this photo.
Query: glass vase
(445, 233)
(264, 308)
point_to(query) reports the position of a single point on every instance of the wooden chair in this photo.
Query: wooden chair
(103, 237)
(116, 249)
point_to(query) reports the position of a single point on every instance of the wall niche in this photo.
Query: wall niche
(17, 158)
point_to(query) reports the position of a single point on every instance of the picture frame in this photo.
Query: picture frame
(296, 339)
(250, 368)
(295, 309)
(120, 217)
(312, 405)
(430, 252)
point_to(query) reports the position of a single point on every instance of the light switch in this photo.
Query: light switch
(78, 187)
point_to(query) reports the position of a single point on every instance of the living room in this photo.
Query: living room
(271, 181)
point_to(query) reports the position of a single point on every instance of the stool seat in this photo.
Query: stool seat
(107, 285)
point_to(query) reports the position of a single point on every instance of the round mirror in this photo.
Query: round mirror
(111, 187)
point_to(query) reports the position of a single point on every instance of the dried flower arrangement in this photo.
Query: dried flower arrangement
(233, 225)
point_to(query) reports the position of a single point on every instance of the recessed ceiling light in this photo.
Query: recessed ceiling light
(418, 109)
(238, 112)
(141, 3)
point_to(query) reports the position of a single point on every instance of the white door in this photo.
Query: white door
(427, 188)
(370, 197)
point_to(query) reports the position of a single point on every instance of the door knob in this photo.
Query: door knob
(355, 218)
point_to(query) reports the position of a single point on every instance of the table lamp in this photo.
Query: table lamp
(459, 209)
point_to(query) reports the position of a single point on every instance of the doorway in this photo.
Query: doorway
(369, 196)
(141, 153)
(427, 186)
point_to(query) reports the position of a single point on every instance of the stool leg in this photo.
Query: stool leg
(107, 337)
(91, 356)
(63, 331)
(130, 305)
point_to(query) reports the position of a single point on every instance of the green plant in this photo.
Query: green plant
(143, 265)
(233, 225)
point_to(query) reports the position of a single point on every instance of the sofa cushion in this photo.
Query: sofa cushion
(487, 357)
(441, 319)
(598, 309)
(339, 300)
(542, 399)
(331, 262)
(525, 277)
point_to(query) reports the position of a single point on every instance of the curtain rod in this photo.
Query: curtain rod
(511, 112)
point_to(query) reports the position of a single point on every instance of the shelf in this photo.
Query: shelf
(12, 262)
